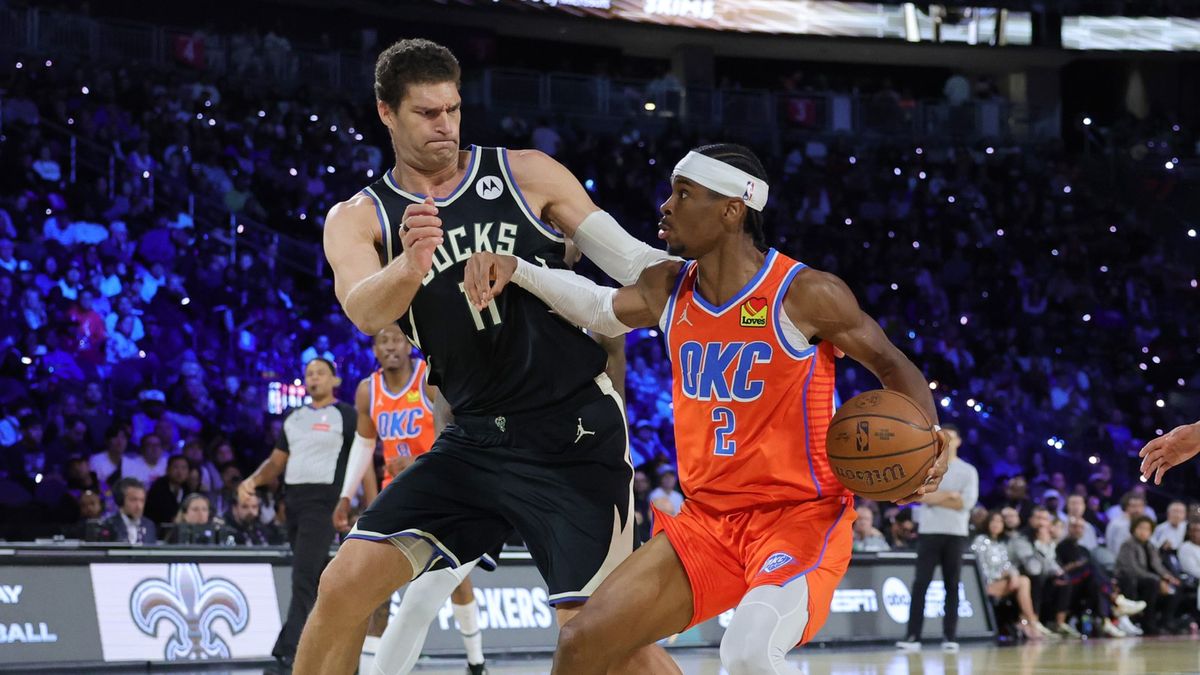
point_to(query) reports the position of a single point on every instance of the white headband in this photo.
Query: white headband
(724, 179)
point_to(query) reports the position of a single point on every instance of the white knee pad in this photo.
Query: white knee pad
(768, 622)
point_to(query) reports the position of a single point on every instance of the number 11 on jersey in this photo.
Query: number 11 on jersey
(723, 445)
(491, 308)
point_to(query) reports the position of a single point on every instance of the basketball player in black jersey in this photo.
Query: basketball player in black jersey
(539, 441)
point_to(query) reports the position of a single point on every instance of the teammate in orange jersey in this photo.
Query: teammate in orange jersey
(397, 406)
(752, 338)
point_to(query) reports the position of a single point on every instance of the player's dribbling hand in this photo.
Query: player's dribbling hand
(934, 478)
(421, 233)
(1164, 452)
(486, 275)
(341, 516)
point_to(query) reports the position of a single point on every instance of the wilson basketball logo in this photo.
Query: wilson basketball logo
(754, 313)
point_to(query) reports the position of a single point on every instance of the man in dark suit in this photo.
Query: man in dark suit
(128, 524)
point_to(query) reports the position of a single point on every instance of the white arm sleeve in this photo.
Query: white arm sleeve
(356, 465)
(577, 299)
(618, 253)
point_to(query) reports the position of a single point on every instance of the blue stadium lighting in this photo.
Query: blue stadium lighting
(85, 90)
(849, 221)
(1180, 382)
(313, 117)
(370, 173)
(895, 287)
(1000, 232)
(330, 169)
(916, 244)
(950, 199)
(1058, 445)
(921, 175)
(1050, 441)
(207, 103)
(1093, 460)
(1145, 350)
(1175, 127)
(1160, 403)
(37, 478)
(350, 130)
(70, 121)
(20, 65)
(934, 384)
(200, 116)
(333, 127)
(358, 137)
(145, 174)
(141, 354)
(891, 234)
(653, 333)
(896, 171)
(49, 211)
(945, 401)
(1192, 234)
(49, 63)
(978, 408)
(589, 184)
(653, 161)
(241, 228)
(1067, 189)
(970, 403)
(1112, 228)
(185, 302)
(1054, 251)
(1142, 366)
(1156, 360)
(1193, 283)
(1169, 164)
(853, 159)
(1087, 317)
(1104, 268)
(990, 150)
(303, 216)
(296, 382)
(26, 360)
(212, 122)
(262, 113)
(920, 151)
(292, 171)
(1087, 121)
(962, 320)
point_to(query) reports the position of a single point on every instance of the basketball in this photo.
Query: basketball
(881, 445)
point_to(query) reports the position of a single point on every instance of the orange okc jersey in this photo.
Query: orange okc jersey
(404, 419)
(753, 399)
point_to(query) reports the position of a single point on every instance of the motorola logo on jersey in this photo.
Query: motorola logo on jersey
(400, 423)
(489, 187)
(721, 371)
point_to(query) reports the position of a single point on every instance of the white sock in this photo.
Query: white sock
(468, 624)
(367, 658)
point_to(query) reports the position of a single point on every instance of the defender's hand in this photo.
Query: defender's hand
(341, 516)
(486, 275)
(246, 488)
(1164, 452)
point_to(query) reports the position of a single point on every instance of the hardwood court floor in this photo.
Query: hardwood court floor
(1129, 656)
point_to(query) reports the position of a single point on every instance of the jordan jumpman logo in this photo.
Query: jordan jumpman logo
(580, 432)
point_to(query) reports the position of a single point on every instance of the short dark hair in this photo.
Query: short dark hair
(322, 359)
(178, 458)
(1130, 496)
(741, 157)
(414, 61)
(1133, 524)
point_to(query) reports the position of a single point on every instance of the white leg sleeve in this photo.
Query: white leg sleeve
(769, 621)
(401, 643)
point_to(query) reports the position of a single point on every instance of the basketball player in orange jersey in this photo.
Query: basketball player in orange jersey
(1173, 449)
(399, 407)
(752, 339)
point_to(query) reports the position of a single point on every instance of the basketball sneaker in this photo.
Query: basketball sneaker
(950, 647)
(1127, 626)
(477, 669)
(1127, 607)
(909, 645)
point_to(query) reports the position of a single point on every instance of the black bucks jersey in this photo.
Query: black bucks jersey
(514, 356)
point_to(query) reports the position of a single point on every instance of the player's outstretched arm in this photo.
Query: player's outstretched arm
(1178, 446)
(821, 305)
(564, 203)
(607, 311)
(373, 296)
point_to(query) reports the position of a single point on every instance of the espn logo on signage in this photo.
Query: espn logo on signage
(754, 313)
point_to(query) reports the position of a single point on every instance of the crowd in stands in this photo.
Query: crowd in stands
(136, 351)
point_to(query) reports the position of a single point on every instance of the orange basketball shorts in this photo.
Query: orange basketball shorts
(727, 554)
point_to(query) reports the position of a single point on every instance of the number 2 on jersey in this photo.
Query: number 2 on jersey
(491, 308)
(723, 445)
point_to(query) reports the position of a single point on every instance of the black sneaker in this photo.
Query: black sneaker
(477, 669)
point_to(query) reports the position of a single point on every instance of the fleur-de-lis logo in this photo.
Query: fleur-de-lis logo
(192, 605)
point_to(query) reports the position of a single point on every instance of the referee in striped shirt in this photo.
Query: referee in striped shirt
(311, 453)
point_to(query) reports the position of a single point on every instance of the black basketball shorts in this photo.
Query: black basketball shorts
(560, 477)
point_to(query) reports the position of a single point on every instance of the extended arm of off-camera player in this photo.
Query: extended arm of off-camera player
(372, 295)
(604, 310)
(822, 306)
(568, 207)
(1178, 446)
